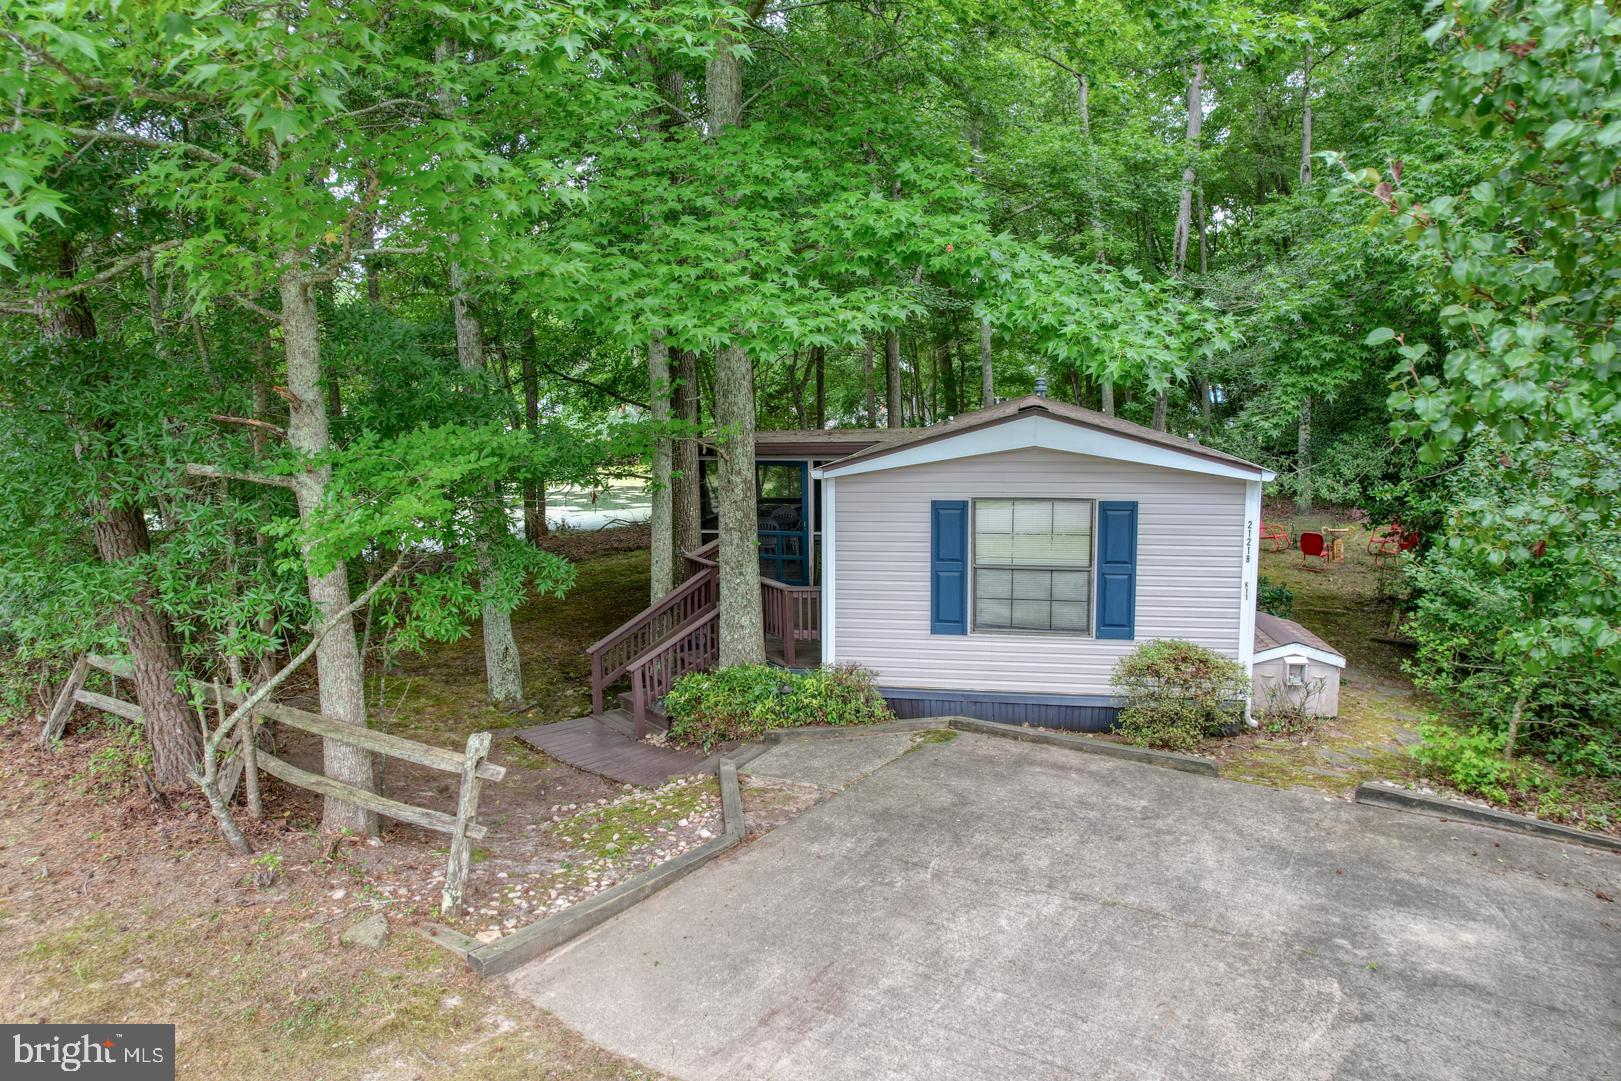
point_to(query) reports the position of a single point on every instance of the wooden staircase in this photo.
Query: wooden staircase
(680, 633)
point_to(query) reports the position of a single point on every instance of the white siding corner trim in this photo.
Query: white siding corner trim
(1251, 572)
(1045, 433)
(830, 548)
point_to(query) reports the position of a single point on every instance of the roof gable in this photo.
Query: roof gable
(1041, 422)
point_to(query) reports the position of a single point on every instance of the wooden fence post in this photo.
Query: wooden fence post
(58, 718)
(450, 901)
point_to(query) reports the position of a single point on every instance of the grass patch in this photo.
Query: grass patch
(933, 735)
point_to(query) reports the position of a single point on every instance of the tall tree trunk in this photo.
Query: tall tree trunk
(742, 623)
(1206, 405)
(987, 382)
(1303, 493)
(1204, 248)
(742, 627)
(337, 657)
(1184, 214)
(892, 376)
(1184, 217)
(534, 491)
(1305, 119)
(119, 531)
(920, 402)
(819, 359)
(1083, 98)
(868, 386)
(171, 726)
(686, 511)
(1107, 392)
(503, 668)
(662, 573)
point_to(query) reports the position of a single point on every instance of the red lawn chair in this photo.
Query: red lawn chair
(1314, 546)
(1393, 542)
(1275, 533)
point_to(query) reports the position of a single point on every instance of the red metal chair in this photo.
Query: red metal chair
(1275, 533)
(1393, 542)
(1314, 546)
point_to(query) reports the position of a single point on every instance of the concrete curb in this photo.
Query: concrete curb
(1399, 799)
(1187, 763)
(525, 944)
(800, 735)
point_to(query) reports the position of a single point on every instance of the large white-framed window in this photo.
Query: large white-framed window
(1032, 565)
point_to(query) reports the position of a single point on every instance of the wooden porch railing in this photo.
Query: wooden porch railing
(792, 613)
(679, 634)
(612, 656)
(692, 647)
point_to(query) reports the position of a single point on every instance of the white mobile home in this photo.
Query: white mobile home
(998, 565)
(1001, 564)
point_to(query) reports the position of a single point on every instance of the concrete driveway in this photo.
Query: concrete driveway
(989, 909)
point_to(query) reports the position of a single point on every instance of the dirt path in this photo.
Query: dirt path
(1379, 708)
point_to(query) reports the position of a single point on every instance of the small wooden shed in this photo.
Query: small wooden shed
(1294, 667)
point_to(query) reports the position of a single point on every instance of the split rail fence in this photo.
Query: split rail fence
(472, 764)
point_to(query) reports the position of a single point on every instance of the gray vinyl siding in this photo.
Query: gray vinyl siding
(1189, 556)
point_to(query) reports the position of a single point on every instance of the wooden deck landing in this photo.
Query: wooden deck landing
(602, 744)
(807, 652)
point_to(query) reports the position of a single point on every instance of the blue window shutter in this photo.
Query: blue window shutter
(1117, 570)
(948, 566)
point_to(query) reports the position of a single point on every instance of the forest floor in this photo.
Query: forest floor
(112, 907)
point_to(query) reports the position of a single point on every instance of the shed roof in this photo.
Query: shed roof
(1273, 631)
(1031, 405)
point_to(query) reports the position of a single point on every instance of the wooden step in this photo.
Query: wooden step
(657, 719)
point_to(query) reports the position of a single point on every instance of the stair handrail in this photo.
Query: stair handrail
(694, 645)
(609, 661)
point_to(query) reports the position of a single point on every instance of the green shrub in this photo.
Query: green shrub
(740, 702)
(1275, 598)
(1470, 760)
(1175, 693)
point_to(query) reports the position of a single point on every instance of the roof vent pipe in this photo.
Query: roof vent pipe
(1041, 386)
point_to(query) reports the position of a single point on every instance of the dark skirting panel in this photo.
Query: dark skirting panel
(1071, 712)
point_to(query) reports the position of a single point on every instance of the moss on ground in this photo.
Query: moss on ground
(631, 821)
(439, 697)
(1349, 606)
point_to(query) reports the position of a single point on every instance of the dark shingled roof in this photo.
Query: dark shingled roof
(828, 443)
(896, 438)
(1272, 631)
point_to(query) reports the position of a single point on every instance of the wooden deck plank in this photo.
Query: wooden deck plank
(597, 744)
